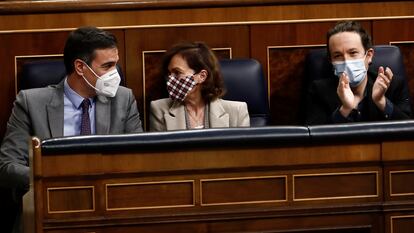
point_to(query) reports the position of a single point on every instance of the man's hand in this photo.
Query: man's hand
(380, 87)
(346, 95)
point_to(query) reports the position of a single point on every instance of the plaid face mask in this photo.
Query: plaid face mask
(178, 88)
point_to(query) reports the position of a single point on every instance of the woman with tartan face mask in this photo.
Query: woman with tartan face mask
(179, 86)
(194, 85)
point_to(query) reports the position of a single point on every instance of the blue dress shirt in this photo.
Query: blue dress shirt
(72, 112)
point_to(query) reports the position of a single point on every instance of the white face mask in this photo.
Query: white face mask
(107, 84)
(355, 69)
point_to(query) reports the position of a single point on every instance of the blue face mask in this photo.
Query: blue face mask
(355, 69)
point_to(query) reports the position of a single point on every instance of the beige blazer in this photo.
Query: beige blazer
(169, 115)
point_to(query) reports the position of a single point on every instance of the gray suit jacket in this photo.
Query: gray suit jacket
(169, 115)
(39, 112)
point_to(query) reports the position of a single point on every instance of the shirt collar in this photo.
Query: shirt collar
(73, 97)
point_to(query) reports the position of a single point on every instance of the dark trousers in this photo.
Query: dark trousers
(10, 211)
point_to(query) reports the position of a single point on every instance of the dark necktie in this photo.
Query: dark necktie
(85, 122)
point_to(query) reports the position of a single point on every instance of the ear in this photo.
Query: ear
(78, 66)
(203, 74)
(370, 55)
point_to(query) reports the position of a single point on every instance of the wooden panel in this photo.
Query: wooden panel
(154, 87)
(287, 84)
(402, 224)
(75, 231)
(400, 183)
(326, 186)
(153, 41)
(243, 190)
(150, 195)
(352, 223)
(397, 177)
(206, 159)
(292, 34)
(355, 223)
(398, 151)
(401, 36)
(28, 6)
(398, 30)
(324, 224)
(70, 199)
(110, 17)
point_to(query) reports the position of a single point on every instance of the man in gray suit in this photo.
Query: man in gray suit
(88, 101)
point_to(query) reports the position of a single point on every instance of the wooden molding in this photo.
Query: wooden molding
(25, 6)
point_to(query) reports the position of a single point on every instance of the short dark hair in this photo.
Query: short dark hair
(82, 43)
(350, 26)
(198, 57)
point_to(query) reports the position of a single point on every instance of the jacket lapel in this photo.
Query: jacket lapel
(218, 116)
(175, 119)
(55, 112)
(102, 115)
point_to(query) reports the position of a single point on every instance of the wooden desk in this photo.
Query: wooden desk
(308, 187)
